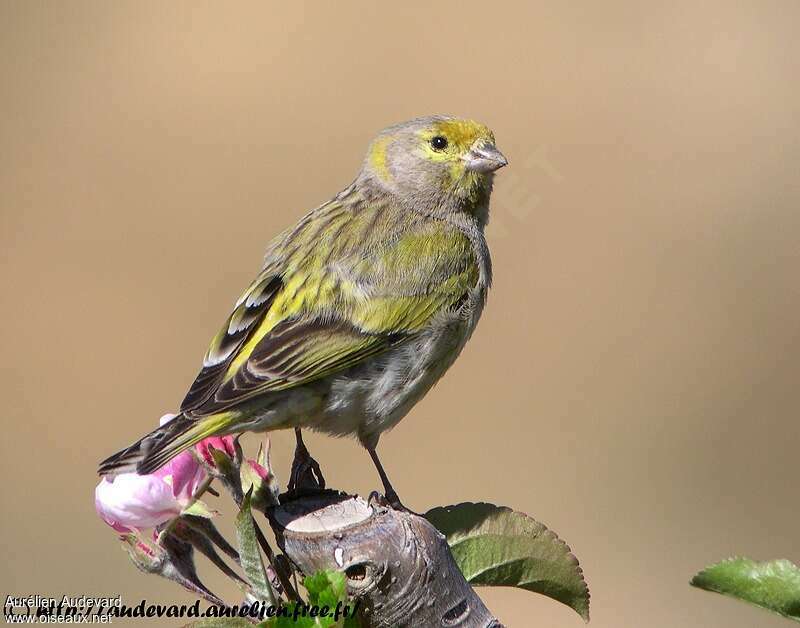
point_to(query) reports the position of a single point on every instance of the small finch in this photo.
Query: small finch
(359, 308)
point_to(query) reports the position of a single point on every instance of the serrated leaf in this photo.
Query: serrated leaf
(773, 585)
(497, 546)
(250, 554)
(325, 588)
(289, 622)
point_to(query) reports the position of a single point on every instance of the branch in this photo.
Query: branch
(398, 566)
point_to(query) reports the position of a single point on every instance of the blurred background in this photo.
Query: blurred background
(634, 381)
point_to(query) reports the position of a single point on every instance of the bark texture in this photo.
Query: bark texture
(397, 564)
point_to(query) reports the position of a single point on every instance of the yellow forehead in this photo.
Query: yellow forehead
(462, 133)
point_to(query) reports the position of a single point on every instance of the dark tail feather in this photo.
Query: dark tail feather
(154, 450)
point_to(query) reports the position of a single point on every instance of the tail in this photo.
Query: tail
(160, 446)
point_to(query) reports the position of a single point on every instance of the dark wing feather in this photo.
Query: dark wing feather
(248, 313)
(293, 353)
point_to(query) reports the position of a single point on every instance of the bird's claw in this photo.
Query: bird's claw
(306, 475)
(390, 500)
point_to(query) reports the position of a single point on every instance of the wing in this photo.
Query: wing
(296, 352)
(342, 287)
(249, 311)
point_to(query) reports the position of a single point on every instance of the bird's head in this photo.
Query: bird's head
(434, 160)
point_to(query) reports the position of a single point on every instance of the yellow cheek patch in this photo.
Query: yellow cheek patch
(460, 135)
(377, 157)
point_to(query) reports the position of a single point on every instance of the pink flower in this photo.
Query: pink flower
(220, 443)
(133, 502)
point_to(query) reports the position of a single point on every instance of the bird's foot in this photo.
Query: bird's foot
(390, 500)
(306, 475)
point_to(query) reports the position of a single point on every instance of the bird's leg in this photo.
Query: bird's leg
(388, 489)
(306, 473)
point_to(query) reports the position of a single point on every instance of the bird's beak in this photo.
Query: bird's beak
(484, 157)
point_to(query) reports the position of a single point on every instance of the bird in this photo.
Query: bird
(359, 308)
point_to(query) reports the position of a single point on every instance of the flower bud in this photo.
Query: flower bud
(130, 501)
(257, 477)
(223, 444)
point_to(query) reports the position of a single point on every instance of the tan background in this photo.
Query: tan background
(633, 382)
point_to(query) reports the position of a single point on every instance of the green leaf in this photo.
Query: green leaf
(199, 509)
(325, 588)
(289, 622)
(496, 546)
(250, 555)
(773, 585)
(222, 461)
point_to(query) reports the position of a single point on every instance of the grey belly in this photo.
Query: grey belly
(368, 399)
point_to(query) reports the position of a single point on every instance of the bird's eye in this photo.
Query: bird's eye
(439, 142)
